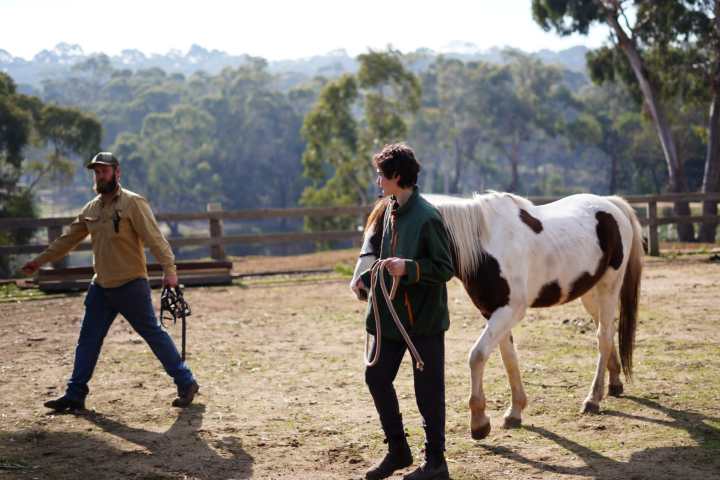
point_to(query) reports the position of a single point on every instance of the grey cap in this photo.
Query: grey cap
(103, 158)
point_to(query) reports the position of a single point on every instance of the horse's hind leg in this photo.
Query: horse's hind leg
(590, 303)
(606, 299)
(513, 415)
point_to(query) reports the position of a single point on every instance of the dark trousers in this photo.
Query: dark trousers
(134, 302)
(429, 389)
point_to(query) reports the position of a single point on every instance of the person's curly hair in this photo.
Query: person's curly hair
(398, 159)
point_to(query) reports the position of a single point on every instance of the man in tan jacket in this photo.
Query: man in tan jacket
(120, 224)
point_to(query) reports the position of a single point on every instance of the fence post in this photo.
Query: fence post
(53, 232)
(653, 239)
(217, 252)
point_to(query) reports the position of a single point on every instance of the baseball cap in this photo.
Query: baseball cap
(103, 158)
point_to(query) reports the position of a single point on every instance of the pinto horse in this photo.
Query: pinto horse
(512, 255)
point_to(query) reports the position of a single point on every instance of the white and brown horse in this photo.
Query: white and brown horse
(512, 255)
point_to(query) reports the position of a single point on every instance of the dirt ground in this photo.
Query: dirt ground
(280, 365)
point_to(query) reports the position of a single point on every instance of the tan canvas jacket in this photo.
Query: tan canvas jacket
(119, 230)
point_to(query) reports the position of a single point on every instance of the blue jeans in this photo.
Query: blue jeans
(134, 302)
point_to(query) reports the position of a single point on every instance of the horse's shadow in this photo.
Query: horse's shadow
(179, 452)
(701, 461)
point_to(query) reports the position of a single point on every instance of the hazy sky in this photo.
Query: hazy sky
(274, 29)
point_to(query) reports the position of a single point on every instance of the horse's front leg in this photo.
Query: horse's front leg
(513, 415)
(497, 328)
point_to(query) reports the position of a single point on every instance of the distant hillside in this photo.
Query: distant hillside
(58, 62)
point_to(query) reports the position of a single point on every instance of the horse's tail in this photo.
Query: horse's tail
(630, 290)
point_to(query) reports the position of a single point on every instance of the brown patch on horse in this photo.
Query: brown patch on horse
(488, 290)
(609, 236)
(581, 285)
(532, 222)
(610, 243)
(549, 295)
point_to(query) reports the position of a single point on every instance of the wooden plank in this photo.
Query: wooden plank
(268, 238)
(55, 281)
(36, 248)
(23, 222)
(643, 199)
(155, 282)
(215, 226)
(57, 275)
(266, 213)
(248, 214)
(684, 219)
(653, 238)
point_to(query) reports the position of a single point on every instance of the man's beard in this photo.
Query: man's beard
(106, 187)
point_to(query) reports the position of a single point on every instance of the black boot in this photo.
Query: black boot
(186, 395)
(64, 403)
(398, 456)
(433, 468)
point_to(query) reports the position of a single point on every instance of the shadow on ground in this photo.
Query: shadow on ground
(701, 461)
(179, 453)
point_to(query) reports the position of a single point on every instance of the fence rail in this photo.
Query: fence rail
(217, 239)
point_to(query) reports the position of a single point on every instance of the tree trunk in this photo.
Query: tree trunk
(455, 183)
(711, 178)
(676, 181)
(613, 174)
(514, 158)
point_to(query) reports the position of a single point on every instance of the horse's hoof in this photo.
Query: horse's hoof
(615, 390)
(592, 408)
(482, 432)
(512, 422)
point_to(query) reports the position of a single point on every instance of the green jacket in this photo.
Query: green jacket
(421, 298)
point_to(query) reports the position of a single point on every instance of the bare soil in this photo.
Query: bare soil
(280, 365)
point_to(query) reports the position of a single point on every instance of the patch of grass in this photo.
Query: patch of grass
(291, 280)
(344, 269)
(13, 464)
(11, 293)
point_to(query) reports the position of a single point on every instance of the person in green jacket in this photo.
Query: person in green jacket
(416, 246)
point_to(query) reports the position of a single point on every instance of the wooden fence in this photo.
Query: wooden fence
(216, 240)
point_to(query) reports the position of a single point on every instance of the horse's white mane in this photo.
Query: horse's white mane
(468, 222)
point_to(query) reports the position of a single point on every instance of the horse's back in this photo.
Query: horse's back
(572, 244)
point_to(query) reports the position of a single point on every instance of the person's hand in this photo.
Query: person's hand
(30, 267)
(170, 281)
(395, 266)
(361, 291)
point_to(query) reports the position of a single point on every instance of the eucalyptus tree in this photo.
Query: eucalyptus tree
(354, 116)
(661, 49)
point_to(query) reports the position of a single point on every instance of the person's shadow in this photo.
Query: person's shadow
(183, 451)
(182, 448)
(700, 461)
